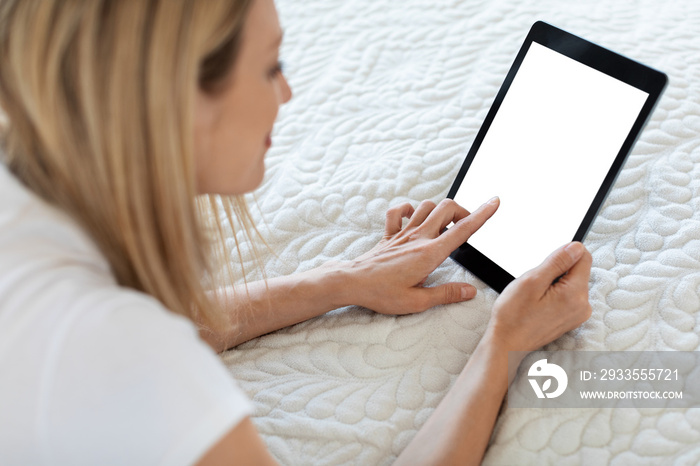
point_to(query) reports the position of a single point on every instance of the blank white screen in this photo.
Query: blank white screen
(546, 155)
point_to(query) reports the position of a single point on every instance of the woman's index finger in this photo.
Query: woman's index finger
(460, 232)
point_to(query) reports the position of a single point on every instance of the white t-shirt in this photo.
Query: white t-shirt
(91, 372)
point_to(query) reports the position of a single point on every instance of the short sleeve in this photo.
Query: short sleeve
(132, 383)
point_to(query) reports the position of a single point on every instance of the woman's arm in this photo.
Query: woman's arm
(388, 279)
(459, 430)
(530, 313)
(264, 307)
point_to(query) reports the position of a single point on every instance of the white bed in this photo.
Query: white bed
(388, 98)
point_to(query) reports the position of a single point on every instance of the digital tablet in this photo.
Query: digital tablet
(551, 147)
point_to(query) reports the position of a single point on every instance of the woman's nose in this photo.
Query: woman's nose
(286, 90)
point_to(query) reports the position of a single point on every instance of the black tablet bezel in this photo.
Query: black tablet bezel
(622, 68)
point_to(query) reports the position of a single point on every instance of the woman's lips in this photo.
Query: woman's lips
(268, 141)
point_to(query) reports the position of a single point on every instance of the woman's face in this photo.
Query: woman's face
(233, 127)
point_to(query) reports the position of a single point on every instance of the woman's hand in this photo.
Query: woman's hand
(389, 279)
(532, 311)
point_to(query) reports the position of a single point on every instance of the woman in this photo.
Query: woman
(120, 113)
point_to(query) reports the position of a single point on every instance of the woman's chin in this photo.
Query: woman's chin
(240, 187)
(249, 184)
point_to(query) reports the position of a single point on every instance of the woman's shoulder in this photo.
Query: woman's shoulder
(111, 365)
(53, 277)
(38, 235)
(52, 271)
(86, 362)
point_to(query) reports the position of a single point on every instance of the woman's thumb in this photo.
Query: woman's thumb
(450, 293)
(559, 262)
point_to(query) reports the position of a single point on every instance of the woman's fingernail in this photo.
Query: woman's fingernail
(575, 250)
(466, 292)
(493, 200)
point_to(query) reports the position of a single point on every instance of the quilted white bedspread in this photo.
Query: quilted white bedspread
(389, 95)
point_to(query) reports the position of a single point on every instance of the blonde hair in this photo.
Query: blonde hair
(99, 97)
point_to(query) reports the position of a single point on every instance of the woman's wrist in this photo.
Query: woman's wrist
(336, 281)
(498, 343)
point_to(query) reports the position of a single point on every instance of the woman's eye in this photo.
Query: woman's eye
(277, 69)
